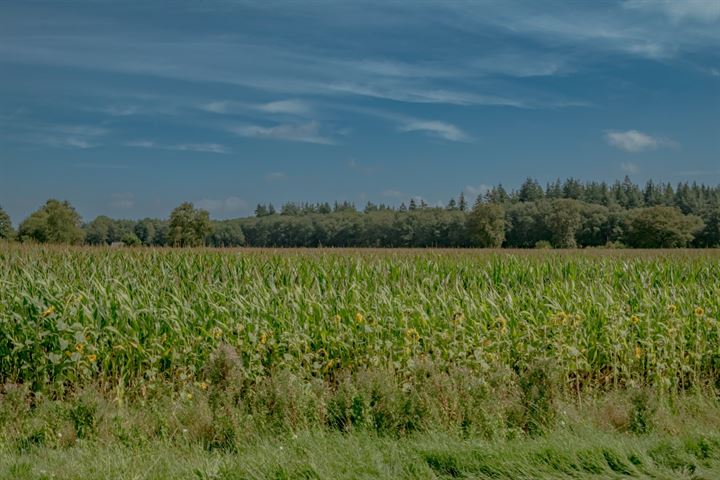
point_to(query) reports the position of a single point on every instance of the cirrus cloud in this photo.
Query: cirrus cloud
(679, 10)
(445, 130)
(185, 147)
(306, 132)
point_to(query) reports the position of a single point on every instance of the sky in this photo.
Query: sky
(129, 108)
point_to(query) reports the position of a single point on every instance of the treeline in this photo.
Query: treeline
(565, 214)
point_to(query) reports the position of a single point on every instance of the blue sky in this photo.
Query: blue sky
(129, 108)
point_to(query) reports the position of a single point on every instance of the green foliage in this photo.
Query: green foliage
(530, 191)
(486, 225)
(642, 412)
(188, 226)
(97, 232)
(525, 226)
(227, 233)
(563, 220)
(145, 230)
(565, 214)
(105, 231)
(538, 391)
(710, 235)
(6, 230)
(82, 415)
(55, 222)
(661, 227)
(130, 239)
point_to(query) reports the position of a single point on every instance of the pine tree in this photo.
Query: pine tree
(530, 191)
(261, 210)
(554, 190)
(462, 204)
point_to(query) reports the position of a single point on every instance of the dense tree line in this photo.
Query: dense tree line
(565, 214)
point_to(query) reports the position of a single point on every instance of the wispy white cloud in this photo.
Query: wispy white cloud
(293, 70)
(56, 135)
(405, 123)
(406, 93)
(293, 107)
(306, 132)
(216, 106)
(189, 147)
(57, 141)
(74, 142)
(507, 63)
(444, 130)
(543, 40)
(134, 103)
(201, 147)
(655, 51)
(627, 28)
(635, 141)
(120, 110)
(705, 11)
(290, 107)
(74, 136)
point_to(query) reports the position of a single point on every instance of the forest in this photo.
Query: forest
(562, 214)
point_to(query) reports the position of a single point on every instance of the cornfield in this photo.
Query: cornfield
(69, 316)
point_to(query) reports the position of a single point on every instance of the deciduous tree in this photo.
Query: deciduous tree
(6, 230)
(54, 222)
(188, 226)
(486, 225)
(660, 227)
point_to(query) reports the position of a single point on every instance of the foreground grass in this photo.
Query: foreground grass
(320, 455)
(611, 435)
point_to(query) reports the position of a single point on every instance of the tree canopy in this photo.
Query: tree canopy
(6, 230)
(54, 222)
(661, 227)
(563, 214)
(188, 226)
(486, 225)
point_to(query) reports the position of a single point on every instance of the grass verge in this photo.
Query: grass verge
(585, 453)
